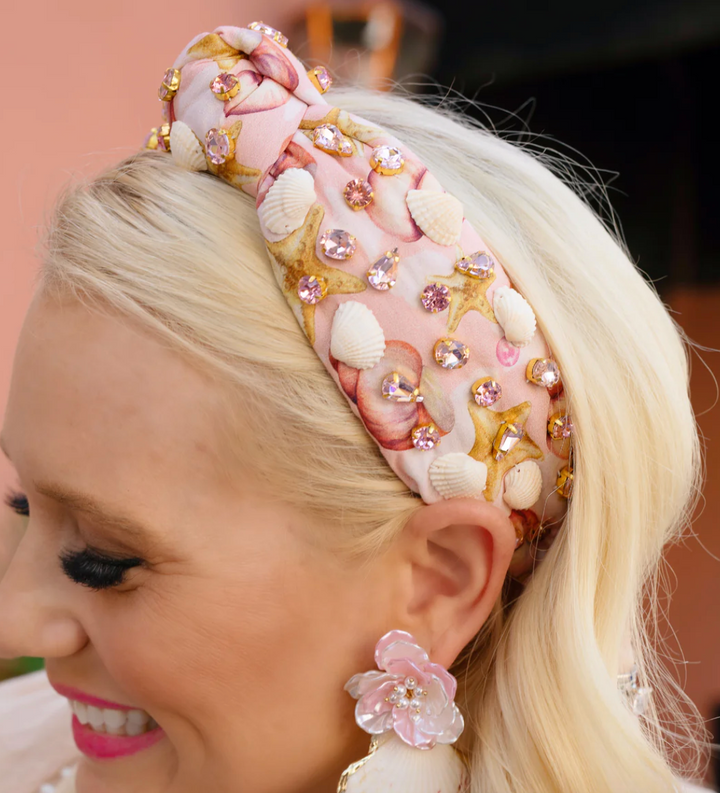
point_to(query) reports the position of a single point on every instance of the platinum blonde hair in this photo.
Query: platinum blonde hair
(182, 253)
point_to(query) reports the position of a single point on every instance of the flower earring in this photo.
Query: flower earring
(407, 705)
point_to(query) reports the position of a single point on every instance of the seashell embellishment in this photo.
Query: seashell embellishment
(185, 147)
(356, 337)
(515, 315)
(438, 215)
(457, 475)
(523, 484)
(288, 201)
(394, 765)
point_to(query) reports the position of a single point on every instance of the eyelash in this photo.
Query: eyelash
(88, 567)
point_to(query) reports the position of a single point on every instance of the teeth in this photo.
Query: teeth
(113, 721)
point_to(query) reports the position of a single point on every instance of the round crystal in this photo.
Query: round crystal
(311, 289)
(487, 393)
(435, 297)
(358, 193)
(224, 85)
(545, 372)
(425, 437)
(338, 244)
(451, 354)
(320, 78)
(274, 34)
(562, 427)
(387, 160)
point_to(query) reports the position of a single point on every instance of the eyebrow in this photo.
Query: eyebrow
(81, 502)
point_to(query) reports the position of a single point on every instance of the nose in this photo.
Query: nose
(36, 603)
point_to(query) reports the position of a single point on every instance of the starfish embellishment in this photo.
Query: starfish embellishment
(231, 170)
(466, 294)
(487, 424)
(295, 257)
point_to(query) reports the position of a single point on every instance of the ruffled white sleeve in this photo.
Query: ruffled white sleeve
(36, 741)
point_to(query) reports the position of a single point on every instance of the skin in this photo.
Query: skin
(239, 631)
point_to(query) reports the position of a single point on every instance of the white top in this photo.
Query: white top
(37, 750)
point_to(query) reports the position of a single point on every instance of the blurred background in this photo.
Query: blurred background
(625, 88)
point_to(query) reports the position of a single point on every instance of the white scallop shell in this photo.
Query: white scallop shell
(186, 149)
(515, 315)
(523, 484)
(458, 475)
(287, 201)
(397, 766)
(356, 337)
(438, 215)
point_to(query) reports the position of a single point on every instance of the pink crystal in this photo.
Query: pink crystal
(274, 34)
(509, 439)
(565, 489)
(328, 138)
(477, 265)
(169, 76)
(435, 297)
(562, 428)
(323, 77)
(311, 289)
(399, 389)
(217, 146)
(487, 393)
(387, 158)
(383, 274)
(358, 193)
(223, 83)
(338, 244)
(425, 437)
(451, 354)
(546, 372)
(163, 92)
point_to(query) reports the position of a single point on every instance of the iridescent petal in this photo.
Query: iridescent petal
(399, 644)
(403, 667)
(412, 733)
(453, 732)
(373, 712)
(362, 684)
(448, 682)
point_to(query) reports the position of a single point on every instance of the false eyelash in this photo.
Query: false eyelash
(17, 502)
(95, 569)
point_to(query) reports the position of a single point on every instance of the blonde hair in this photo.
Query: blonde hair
(181, 253)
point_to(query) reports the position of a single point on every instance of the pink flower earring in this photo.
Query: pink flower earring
(406, 705)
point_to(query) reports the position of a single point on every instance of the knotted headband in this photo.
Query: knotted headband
(410, 311)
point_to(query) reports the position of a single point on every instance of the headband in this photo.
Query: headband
(410, 311)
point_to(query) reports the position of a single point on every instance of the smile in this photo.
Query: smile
(112, 721)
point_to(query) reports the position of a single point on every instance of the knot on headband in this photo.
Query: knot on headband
(411, 312)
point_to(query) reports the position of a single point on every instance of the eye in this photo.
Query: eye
(17, 502)
(96, 570)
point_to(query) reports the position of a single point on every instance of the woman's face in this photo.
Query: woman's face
(214, 614)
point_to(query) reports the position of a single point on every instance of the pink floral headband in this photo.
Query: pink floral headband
(410, 311)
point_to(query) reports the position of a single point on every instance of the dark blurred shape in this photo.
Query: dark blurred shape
(370, 43)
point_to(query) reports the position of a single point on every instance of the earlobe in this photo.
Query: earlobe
(457, 553)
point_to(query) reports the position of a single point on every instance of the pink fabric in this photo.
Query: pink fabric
(277, 108)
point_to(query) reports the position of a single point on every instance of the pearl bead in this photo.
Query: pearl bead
(400, 690)
(415, 703)
(410, 682)
(402, 703)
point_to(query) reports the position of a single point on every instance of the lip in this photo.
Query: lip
(103, 746)
(89, 699)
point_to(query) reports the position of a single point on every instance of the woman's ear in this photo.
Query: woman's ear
(454, 556)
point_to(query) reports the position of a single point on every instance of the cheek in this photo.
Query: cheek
(250, 657)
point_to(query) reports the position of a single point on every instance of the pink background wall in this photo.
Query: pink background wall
(79, 83)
